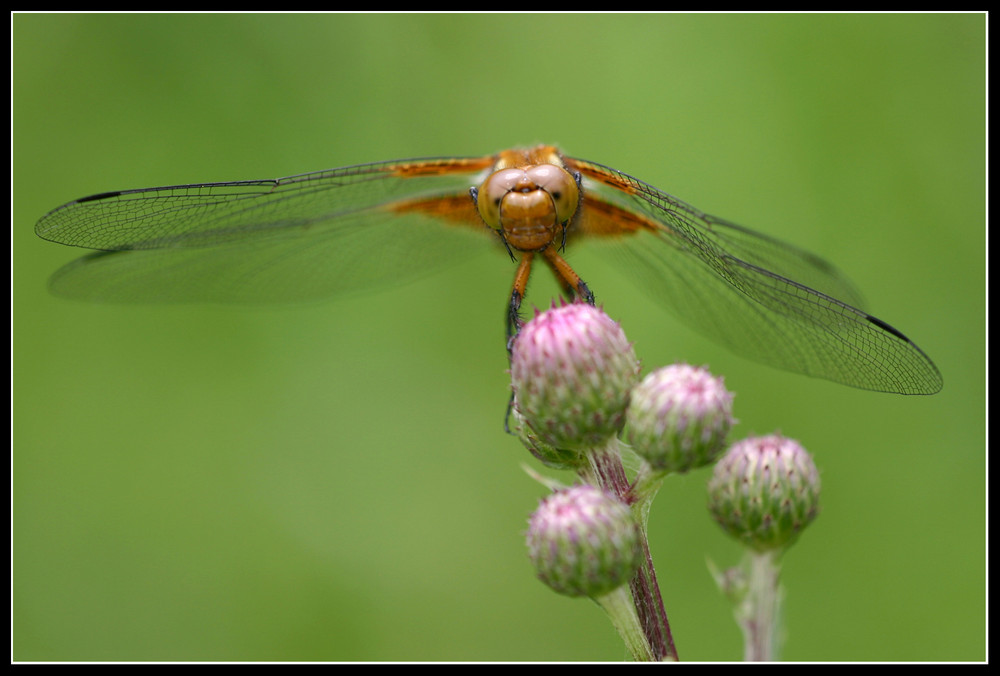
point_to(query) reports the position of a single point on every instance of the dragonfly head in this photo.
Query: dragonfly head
(529, 206)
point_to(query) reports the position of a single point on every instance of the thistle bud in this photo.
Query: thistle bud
(678, 418)
(583, 542)
(764, 491)
(571, 370)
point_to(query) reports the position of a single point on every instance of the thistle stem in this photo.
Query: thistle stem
(761, 612)
(605, 469)
(618, 605)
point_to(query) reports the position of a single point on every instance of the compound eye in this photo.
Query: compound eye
(492, 192)
(561, 187)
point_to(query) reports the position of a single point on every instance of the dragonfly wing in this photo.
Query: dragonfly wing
(733, 286)
(355, 253)
(630, 194)
(211, 214)
(300, 238)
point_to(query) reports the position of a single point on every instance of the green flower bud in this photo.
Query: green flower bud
(764, 491)
(678, 418)
(550, 456)
(583, 542)
(571, 370)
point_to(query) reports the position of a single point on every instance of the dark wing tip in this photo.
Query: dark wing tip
(98, 196)
(930, 380)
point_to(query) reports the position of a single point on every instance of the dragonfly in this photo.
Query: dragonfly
(315, 235)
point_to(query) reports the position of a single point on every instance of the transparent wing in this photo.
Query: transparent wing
(769, 301)
(314, 235)
(297, 238)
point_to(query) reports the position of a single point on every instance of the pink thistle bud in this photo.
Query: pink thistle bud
(583, 542)
(678, 418)
(571, 370)
(764, 491)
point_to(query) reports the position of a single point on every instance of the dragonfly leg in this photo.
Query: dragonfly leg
(517, 294)
(514, 322)
(570, 281)
(573, 286)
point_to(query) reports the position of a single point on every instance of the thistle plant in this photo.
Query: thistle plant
(763, 492)
(573, 370)
(578, 404)
(583, 541)
(678, 418)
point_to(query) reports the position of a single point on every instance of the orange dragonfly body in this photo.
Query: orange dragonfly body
(315, 235)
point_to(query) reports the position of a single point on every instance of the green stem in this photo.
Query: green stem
(605, 469)
(761, 612)
(618, 605)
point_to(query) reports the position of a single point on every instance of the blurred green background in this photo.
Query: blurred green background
(332, 482)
